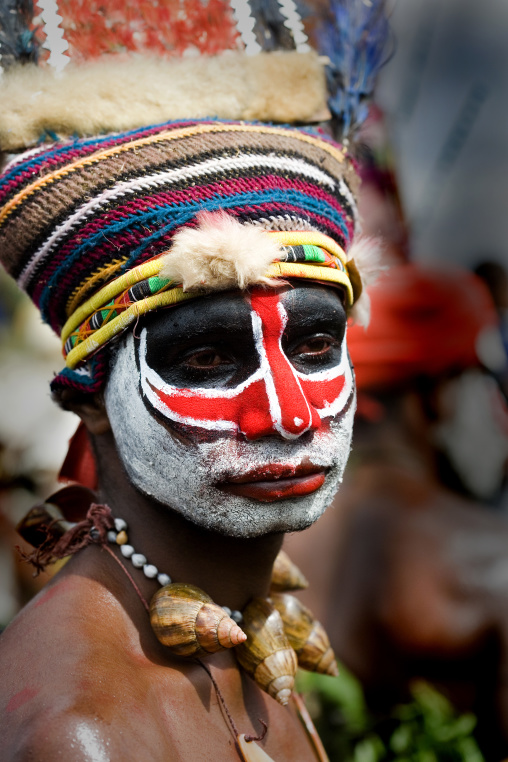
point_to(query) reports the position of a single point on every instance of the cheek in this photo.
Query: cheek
(340, 426)
(180, 466)
(329, 392)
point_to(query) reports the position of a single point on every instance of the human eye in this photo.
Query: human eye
(319, 349)
(206, 359)
(316, 346)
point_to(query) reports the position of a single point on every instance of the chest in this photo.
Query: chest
(197, 721)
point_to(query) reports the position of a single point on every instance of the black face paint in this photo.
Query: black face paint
(259, 385)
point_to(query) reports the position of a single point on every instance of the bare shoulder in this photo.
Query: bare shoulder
(73, 677)
(69, 737)
(75, 737)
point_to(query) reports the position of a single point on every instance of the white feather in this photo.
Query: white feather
(220, 253)
(367, 254)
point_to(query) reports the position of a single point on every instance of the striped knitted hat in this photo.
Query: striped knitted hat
(101, 228)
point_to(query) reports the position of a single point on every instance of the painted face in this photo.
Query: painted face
(236, 410)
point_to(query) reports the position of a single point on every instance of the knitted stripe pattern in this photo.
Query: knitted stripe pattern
(151, 293)
(75, 215)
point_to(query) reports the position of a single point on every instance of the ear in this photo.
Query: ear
(89, 407)
(93, 414)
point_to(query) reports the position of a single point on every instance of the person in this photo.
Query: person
(200, 273)
(495, 277)
(412, 580)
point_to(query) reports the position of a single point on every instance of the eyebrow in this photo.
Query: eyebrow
(232, 320)
(212, 316)
(323, 307)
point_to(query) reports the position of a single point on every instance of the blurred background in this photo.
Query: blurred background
(408, 570)
(444, 94)
(412, 577)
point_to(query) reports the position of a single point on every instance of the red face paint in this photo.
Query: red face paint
(21, 698)
(275, 399)
(223, 372)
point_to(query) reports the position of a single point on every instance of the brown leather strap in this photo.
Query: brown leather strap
(307, 723)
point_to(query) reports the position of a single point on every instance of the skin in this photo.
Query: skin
(264, 407)
(84, 678)
(426, 571)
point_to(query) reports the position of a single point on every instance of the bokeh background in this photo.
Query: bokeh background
(440, 125)
(444, 94)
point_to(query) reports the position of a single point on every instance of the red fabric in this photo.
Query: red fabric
(73, 501)
(424, 321)
(79, 463)
(94, 28)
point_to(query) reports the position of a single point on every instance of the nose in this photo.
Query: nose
(277, 408)
(281, 406)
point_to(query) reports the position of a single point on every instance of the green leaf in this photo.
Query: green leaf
(344, 691)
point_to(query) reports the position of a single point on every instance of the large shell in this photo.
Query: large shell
(267, 654)
(286, 575)
(306, 635)
(186, 620)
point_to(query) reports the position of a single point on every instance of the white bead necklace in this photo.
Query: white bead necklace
(118, 536)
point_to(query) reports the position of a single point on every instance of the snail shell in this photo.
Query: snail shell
(306, 635)
(186, 620)
(267, 654)
(286, 575)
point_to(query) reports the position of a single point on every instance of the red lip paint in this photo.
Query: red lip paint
(268, 490)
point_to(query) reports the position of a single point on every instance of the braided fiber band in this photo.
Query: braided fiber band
(108, 314)
(152, 268)
(79, 214)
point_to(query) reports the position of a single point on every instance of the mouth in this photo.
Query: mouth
(276, 482)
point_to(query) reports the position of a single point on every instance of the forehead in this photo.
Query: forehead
(306, 304)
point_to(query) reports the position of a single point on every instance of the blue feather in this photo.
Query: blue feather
(354, 37)
(17, 42)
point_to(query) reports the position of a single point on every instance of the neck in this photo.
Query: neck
(231, 570)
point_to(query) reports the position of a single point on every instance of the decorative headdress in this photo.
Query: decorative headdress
(109, 210)
(142, 181)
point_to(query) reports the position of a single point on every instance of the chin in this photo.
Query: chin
(186, 478)
(241, 517)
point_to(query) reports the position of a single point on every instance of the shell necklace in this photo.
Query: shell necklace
(186, 620)
(277, 634)
(118, 536)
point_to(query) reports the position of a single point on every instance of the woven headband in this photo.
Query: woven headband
(303, 255)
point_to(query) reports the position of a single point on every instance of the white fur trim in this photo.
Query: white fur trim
(367, 255)
(220, 253)
(113, 95)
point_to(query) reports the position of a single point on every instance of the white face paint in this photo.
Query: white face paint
(306, 459)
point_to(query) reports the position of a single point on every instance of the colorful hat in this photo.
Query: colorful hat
(136, 180)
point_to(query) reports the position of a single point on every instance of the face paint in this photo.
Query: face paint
(262, 455)
(275, 399)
